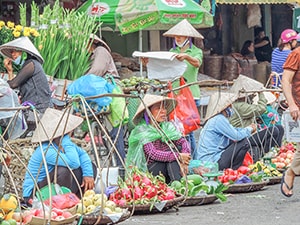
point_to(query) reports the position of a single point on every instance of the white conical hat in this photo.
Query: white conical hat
(21, 44)
(219, 101)
(244, 83)
(150, 100)
(55, 123)
(271, 98)
(183, 28)
(96, 39)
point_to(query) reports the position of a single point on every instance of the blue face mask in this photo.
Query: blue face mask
(19, 61)
(229, 111)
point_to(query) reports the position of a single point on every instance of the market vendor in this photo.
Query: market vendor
(102, 64)
(60, 154)
(182, 34)
(155, 144)
(246, 113)
(31, 80)
(219, 141)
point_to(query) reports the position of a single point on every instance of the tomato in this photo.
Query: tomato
(243, 169)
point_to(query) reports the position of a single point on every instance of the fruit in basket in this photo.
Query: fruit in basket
(99, 198)
(87, 201)
(89, 193)
(90, 208)
(8, 203)
(80, 208)
(111, 205)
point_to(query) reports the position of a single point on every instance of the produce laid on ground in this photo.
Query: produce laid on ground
(285, 155)
(142, 188)
(264, 169)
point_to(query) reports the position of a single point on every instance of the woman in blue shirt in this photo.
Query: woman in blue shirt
(58, 152)
(219, 141)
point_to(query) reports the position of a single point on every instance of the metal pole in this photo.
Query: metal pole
(141, 49)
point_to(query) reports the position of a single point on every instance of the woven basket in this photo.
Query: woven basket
(91, 220)
(213, 66)
(230, 68)
(21, 151)
(273, 180)
(145, 209)
(248, 187)
(199, 200)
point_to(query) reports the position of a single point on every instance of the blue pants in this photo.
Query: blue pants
(119, 144)
(191, 136)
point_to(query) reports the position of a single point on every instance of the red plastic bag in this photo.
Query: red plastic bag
(63, 201)
(185, 115)
(248, 160)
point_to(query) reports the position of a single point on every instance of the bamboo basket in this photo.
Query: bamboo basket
(248, 187)
(21, 151)
(213, 66)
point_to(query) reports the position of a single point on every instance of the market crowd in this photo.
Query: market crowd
(240, 121)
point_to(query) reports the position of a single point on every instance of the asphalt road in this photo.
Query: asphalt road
(264, 207)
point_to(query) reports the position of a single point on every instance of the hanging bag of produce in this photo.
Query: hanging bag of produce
(119, 112)
(186, 115)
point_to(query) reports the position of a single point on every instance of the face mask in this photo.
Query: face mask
(18, 61)
(229, 111)
(182, 44)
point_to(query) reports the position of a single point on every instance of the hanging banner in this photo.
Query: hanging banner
(296, 19)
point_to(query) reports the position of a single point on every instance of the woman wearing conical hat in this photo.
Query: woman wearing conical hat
(31, 79)
(155, 144)
(61, 155)
(183, 33)
(220, 142)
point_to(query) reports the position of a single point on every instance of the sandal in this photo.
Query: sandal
(287, 186)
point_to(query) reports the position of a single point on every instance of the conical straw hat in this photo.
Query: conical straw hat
(96, 39)
(268, 95)
(244, 83)
(219, 101)
(21, 44)
(150, 100)
(55, 123)
(183, 28)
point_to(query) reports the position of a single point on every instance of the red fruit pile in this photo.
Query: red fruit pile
(141, 188)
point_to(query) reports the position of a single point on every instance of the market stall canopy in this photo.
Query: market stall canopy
(133, 15)
(255, 1)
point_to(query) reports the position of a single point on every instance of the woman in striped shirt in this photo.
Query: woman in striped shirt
(287, 42)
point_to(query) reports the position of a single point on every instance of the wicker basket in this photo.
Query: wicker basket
(213, 66)
(21, 151)
(273, 180)
(91, 220)
(248, 187)
(231, 69)
(199, 200)
(145, 209)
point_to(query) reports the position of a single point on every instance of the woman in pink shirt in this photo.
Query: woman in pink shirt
(155, 144)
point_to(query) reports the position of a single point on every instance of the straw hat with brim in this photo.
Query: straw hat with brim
(55, 123)
(96, 39)
(20, 44)
(150, 100)
(183, 28)
(268, 95)
(219, 101)
(243, 83)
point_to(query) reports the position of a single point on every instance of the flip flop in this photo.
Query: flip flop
(287, 186)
